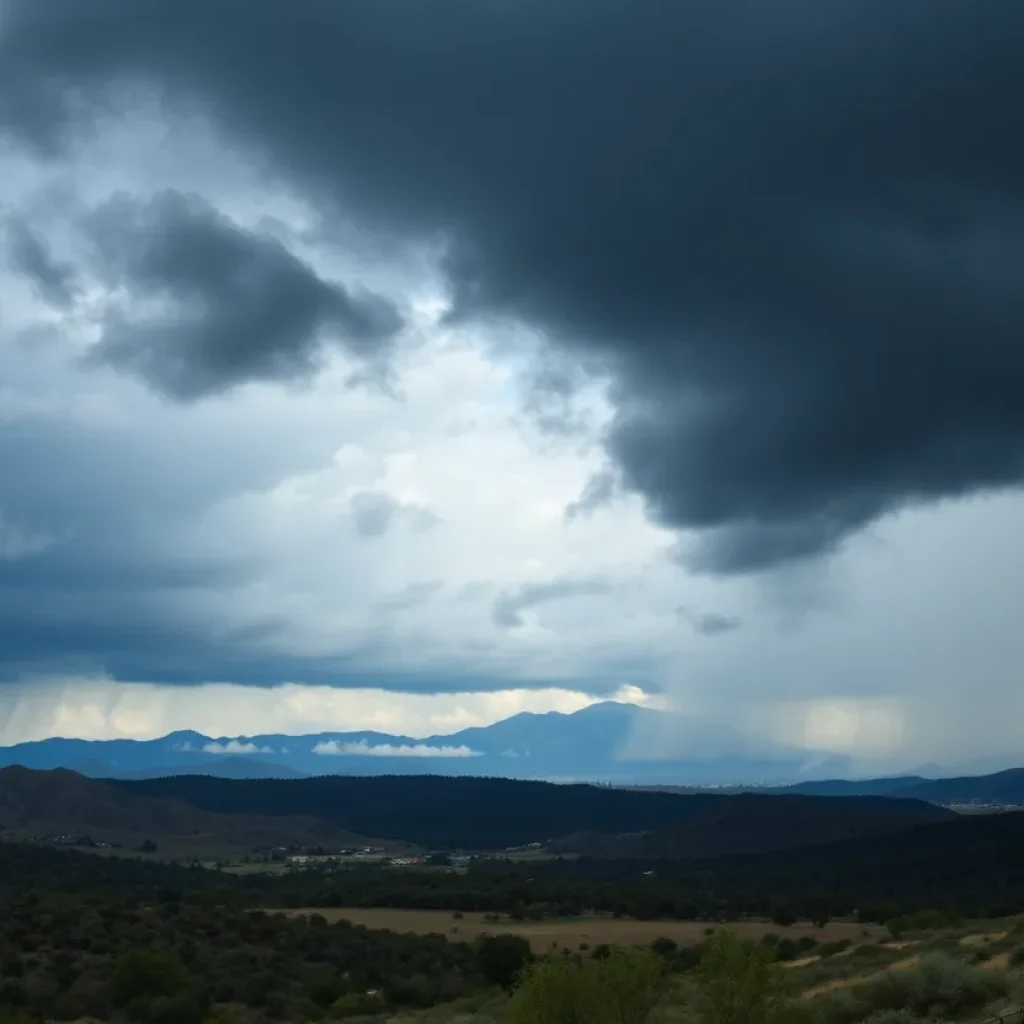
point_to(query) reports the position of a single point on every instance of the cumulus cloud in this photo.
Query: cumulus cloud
(210, 304)
(55, 280)
(235, 747)
(509, 606)
(363, 749)
(600, 490)
(710, 623)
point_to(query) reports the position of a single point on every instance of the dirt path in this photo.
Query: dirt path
(802, 962)
(982, 939)
(1000, 962)
(857, 979)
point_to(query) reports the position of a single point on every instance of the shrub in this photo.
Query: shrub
(559, 990)
(178, 1009)
(832, 948)
(356, 1004)
(502, 958)
(937, 986)
(624, 988)
(685, 959)
(631, 982)
(787, 949)
(892, 1017)
(921, 921)
(144, 974)
(740, 983)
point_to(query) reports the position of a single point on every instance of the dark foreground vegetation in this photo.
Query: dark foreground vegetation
(68, 957)
(139, 941)
(142, 942)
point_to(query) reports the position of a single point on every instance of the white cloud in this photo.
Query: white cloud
(364, 749)
(235, 747)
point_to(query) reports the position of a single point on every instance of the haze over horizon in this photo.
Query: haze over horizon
(404, 367)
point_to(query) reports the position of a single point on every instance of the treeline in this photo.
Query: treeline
(973, 867)
(435, 811)
(25, 866)
(441, 812)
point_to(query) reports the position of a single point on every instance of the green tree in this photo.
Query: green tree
(631, 983)
(501, 958)
(145, 974)
(783, 917)
(740, 983)
(624, 988)
(819, 913)
(559, 990)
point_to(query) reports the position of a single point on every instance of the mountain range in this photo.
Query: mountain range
(1005, 788)
(609, 742)
(597, 743)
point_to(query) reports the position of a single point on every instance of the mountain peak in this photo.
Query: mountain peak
(610, 707)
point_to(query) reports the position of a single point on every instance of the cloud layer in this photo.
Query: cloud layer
(794, 241)
(514, 347)
(229, 305)
(363, 749)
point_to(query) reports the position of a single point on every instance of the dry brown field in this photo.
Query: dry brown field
(568, 934)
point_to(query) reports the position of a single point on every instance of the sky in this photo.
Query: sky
(408, 366)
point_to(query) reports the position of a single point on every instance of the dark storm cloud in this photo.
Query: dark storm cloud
(600, 489)
(709, 623)
(792, 232)
(29, 255)
(509, 607)
(240, 305)
(114, 587)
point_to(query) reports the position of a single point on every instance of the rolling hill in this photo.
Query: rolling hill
(452, 812)
(1005, 788)
(999, 788)
(756, 824)
(61, 803)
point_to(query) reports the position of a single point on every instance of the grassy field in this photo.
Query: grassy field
(569, 934)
